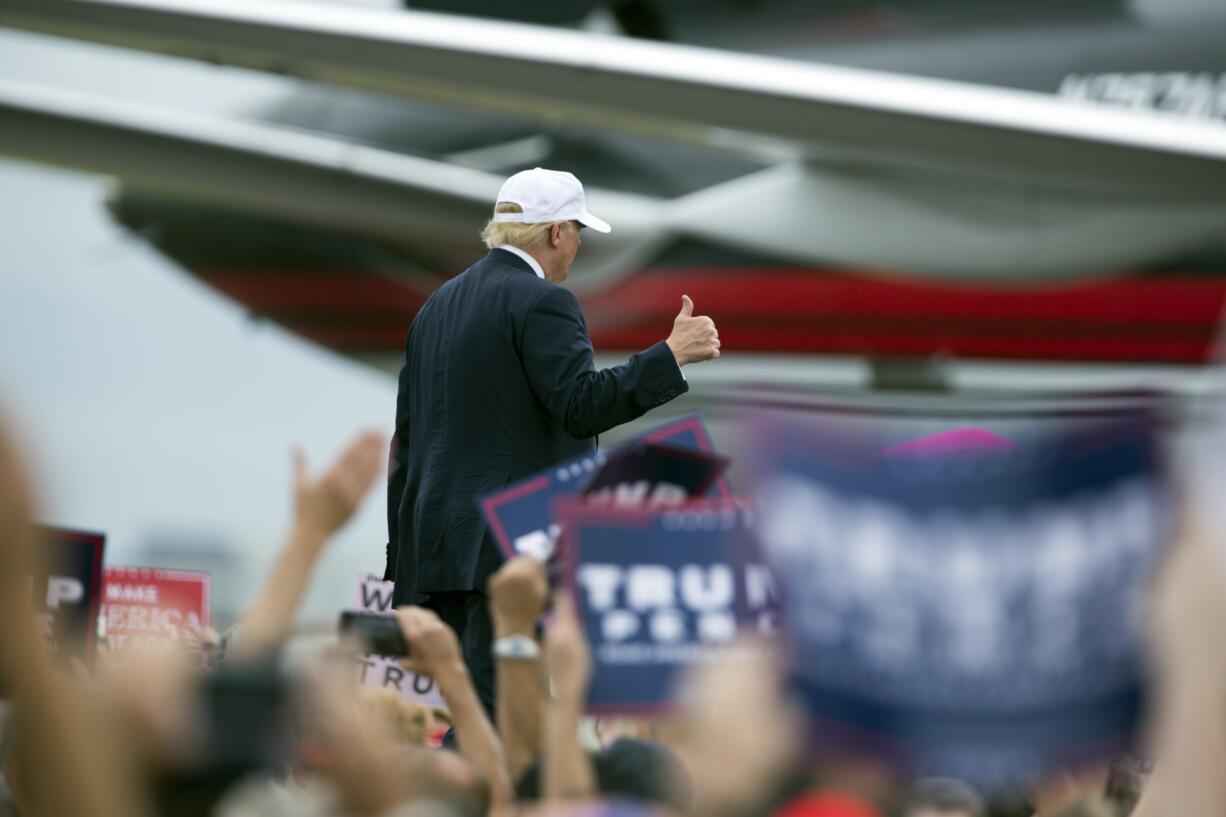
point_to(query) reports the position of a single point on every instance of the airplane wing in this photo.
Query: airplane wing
(806, 112)
(796, 211)
(435, 207)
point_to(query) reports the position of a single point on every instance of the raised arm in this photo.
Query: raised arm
(518, 592)
(71, 773)
(322, 505)
(567, 767)
(434, 651)
(557, 357)
(1189, 612)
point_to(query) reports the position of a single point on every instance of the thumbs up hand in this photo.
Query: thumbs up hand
(693, 339)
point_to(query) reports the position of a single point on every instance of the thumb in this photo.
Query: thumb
(687, 307)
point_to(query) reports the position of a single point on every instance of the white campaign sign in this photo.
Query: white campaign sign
(375, 596)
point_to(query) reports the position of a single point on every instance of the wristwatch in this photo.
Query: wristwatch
(517, 648)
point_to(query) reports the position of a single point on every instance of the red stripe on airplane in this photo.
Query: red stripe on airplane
(1158, 319)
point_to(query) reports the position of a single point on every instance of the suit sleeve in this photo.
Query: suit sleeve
(557, 357)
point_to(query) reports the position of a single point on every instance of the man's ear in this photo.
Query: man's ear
(555, 234)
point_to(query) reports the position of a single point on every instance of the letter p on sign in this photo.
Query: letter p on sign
(61, 589)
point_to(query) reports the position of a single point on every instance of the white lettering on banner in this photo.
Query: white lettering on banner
(538, 544)
(139, 593)
(668, 495)
(578, 469)
(618, 625)
(376, 596)
(601, 583)
(135, 617)
(760, 586)
(627, 494)
(709, 589)
(379, 671)
(667, 626)
(138, 618)
(724, 519)
(716, 627)
(63, 590)
(635, 494)
(663, 601)
(904, 584)
(649, 586)
(674, 653)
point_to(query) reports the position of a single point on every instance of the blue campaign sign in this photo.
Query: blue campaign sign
(970, 611)
(658, 591)
(521, 515)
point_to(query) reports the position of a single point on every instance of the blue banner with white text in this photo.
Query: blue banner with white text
(969, 603)
(521, 515)
(660, 591)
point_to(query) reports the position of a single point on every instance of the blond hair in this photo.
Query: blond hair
(407, 722)
(497, 233)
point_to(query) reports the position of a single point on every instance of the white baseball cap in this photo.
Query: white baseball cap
(547, 195)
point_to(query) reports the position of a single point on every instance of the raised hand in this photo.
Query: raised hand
(321, 505)
(434, 649)
(694, 338)
(566, 767)
(735, 767)
(566, 651)
(518, 592)
(324, 503)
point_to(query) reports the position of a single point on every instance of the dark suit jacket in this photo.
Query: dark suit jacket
(497, 384)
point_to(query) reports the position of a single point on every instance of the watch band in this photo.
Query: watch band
(516, 648)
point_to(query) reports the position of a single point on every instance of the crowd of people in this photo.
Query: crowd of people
(210, 725)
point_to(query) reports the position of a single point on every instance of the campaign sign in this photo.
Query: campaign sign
(971, 611)
(653, 474)
(375, 596)
(68, 589)
(520, 516)
(139, 603)
(659, 591)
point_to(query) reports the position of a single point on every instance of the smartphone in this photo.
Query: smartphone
(380, 634)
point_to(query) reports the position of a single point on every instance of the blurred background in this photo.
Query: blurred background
(213, 253)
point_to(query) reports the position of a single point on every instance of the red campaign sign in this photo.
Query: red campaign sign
(139, 602)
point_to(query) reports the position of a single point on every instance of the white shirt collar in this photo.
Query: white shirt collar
(532, 262)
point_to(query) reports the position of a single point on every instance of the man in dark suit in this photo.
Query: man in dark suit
(498, 383)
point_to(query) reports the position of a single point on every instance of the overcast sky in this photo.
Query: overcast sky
(155, 410)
